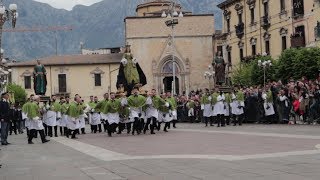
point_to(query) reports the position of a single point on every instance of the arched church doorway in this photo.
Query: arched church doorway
(167, 74)
(168, 83)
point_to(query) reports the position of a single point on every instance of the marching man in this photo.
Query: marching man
(206, 107)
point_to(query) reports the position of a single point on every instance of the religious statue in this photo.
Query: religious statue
(219, 66)
(130, 72)
(39, 79)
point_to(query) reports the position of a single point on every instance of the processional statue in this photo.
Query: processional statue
(130, 73)
(39, 79)
(219, 67)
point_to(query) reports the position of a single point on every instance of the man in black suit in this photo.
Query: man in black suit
(4, 118)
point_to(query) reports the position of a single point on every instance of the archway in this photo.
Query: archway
(167, 76)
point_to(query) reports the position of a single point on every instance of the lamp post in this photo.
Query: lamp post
(172, 15)
(209, 75)
(264, 64)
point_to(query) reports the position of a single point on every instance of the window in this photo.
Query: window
(228, 25)
(229, 58)
(27, 82)
(282, 5)
(298, 7)
(240, 18)
(62, 81)
(284, 42)
(97, 79)
(268, 47)
(219, 49)
(241, 54)
(253, 50)
(266, 8)
(252, 15)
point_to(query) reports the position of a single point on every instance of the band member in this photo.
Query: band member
(136, 102)
(206, 107)
(34, 113)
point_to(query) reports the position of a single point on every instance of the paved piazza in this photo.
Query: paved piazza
(189, 152)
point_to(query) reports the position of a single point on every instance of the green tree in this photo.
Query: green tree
(20, 94)
(296, 63)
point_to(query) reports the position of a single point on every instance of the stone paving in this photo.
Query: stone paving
(190, 152)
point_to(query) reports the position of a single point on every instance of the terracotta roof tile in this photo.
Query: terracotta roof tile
(73, 60)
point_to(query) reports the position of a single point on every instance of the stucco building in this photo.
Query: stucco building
(252, 27)
(72, 74)
(151, 43)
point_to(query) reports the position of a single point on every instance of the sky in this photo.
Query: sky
(68, 4)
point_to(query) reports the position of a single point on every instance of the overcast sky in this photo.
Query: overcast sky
(68, 4)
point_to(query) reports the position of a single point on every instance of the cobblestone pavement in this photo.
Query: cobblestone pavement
(190, 152)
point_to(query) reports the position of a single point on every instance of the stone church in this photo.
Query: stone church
(151, 43)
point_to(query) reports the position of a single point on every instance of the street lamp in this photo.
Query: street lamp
(172, 15)
(264, 64)
(210, 74)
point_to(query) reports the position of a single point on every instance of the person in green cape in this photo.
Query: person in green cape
(34, 115)
(112, 109)
(40, 79)
(65, 103)
(52, 116)
(165, 112)
(103, 117)
(94, 115)
(74, 111)
(206, 107)
(173, 101)
(25, 108)
(153, 103)
(136, 103)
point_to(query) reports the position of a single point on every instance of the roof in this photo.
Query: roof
(73, 60)
(156, 3)
(226, 3)
(145, 17)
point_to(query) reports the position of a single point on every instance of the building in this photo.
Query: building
(252, 27)
(113, 50)
(151, 43)
(72, 74)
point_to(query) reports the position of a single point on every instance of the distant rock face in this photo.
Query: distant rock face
(99, 25)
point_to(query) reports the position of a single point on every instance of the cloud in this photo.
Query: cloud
(68, 4)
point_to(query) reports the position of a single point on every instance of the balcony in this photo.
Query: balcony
(265, 22)
(297, 40)
(62, 91)
(240, 30)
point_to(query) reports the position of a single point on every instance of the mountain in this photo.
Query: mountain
(99, 25)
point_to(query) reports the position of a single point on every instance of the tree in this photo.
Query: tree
(20, 94)
(295, 63)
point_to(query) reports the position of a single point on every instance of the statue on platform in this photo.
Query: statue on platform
(130, 72)
(39, 79)
(219, 67)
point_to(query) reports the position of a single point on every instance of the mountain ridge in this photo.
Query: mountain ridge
(99, 25)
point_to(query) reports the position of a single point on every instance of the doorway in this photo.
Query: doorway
(167, 83)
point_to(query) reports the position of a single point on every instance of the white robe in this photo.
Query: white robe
(51, 118)
(151, 110)
(73, 123)
(35, 123)
(94, 118)
(113, 118)
(219, 107)
(268, 106)
(207, 110)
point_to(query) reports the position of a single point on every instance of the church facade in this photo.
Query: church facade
(154, 46)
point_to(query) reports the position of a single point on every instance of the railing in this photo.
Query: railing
(62, 91)
(239, 30)
(297, 40)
